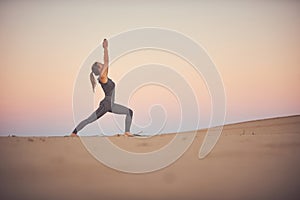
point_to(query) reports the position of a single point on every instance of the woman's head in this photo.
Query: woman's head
(96, 69)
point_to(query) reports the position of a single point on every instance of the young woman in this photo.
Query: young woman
(108, 103)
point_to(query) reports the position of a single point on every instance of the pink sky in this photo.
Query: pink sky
(255, 46)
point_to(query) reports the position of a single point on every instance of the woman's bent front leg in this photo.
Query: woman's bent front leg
(119, 109)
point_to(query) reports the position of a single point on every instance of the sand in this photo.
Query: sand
(252, 160)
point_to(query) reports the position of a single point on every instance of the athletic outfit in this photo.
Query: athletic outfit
(108, 105)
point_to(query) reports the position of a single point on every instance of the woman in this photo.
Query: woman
(107, 104)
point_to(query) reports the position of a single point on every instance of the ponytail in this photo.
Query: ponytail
(93, 81)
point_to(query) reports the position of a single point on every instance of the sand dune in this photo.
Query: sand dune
(252, 160)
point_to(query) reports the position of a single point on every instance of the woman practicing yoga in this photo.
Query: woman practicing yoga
(107, 104)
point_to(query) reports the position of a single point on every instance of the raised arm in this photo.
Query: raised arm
(104, 71)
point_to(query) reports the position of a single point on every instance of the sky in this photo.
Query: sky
(254, 45)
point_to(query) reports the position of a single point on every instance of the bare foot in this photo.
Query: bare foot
(128, 134)
(74, 135)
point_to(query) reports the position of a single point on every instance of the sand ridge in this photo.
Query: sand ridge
(252, 160)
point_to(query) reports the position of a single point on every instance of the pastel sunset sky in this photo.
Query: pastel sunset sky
(255, 46)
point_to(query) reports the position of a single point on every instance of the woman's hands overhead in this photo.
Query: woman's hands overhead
(105, 43)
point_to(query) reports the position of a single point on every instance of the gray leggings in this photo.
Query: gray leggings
(104, 107)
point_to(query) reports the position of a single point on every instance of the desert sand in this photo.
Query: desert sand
(252, 160)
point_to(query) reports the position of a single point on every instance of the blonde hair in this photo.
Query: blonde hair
(93, 81)
(96, 71)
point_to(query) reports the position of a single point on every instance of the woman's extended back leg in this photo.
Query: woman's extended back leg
(93, 117)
